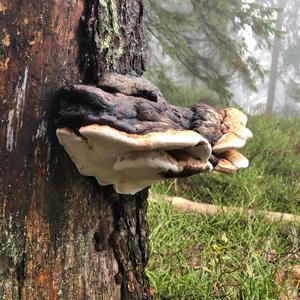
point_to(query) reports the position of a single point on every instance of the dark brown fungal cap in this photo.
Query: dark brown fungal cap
(131, 86)
(124, 133)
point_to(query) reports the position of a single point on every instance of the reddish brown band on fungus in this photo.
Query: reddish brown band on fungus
(124, 133)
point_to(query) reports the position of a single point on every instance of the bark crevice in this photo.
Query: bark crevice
(130, 243)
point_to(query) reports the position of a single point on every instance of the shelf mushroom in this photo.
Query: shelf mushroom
(124, 133)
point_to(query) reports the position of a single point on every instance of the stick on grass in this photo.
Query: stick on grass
(212, 210)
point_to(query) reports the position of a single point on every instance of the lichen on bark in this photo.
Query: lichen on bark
(107, 35)
(109, 39)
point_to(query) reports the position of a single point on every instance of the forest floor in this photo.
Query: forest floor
(232, 256)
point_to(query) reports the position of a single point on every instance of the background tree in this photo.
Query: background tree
(61, 235)
(275, 61)
(289, 60)
(283, 88)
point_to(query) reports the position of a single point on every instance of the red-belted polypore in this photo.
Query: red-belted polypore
(123, 132)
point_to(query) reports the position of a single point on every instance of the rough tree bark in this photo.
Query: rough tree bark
(62, 236)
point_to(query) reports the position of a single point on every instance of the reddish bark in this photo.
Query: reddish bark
(62, 236)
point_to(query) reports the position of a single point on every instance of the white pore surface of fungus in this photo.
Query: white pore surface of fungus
(131, 162)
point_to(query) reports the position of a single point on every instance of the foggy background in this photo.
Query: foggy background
(241, 52)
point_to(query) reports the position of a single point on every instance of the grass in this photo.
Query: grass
(231, 256)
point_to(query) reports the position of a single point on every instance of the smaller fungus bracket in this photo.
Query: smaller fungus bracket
(123, 132)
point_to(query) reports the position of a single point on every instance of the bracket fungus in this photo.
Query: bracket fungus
(124, 133)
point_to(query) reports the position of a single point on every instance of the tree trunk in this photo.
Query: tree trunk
(62, 236)
(274, 63)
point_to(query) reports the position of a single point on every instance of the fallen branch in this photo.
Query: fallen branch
(212, 210)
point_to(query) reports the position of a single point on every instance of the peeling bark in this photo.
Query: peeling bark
(62, 236)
